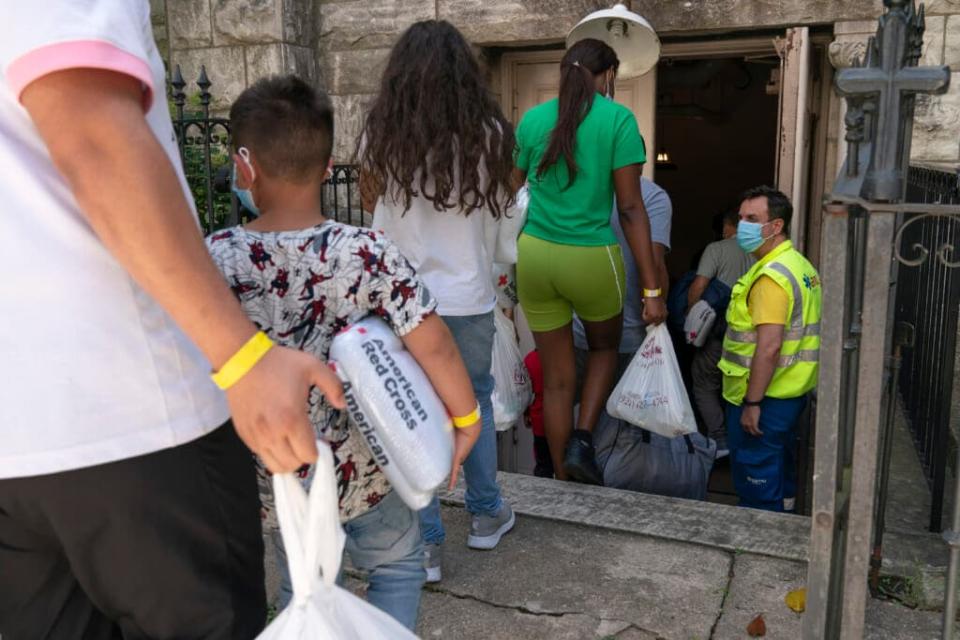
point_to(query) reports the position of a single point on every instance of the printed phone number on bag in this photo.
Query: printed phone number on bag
(647, 401)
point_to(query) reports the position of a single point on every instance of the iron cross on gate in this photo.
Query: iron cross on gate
(889, 83)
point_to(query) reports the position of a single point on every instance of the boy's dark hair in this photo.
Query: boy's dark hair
(777, 204)
(435, 119)
(730, 216)
(287, 125)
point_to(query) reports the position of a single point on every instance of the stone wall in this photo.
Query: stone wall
(356, 35)
(936, 131)
(343, 44)
(238, 41)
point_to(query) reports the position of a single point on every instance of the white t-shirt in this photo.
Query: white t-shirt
(93, 370)
(452, 253)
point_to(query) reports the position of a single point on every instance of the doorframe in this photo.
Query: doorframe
(747, 46)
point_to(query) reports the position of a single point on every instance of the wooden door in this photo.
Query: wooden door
(535, 77)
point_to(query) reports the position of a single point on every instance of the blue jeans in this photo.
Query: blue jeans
(764, 468)
(385, 542)
(474, 338)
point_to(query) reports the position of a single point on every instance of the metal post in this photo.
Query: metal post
(902, 337)
(204, 83)
(952, 538)
(179, 98)
(875, 338)
(830, 490)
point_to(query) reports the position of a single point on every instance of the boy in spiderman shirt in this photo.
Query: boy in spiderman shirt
(302, 279)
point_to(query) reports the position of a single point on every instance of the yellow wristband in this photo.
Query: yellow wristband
(242, 361)
(468, 420)
(652, 293)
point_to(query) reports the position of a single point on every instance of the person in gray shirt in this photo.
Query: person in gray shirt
(727, 262)
(660, 212)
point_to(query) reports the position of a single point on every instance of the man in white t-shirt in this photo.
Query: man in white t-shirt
(127, 502)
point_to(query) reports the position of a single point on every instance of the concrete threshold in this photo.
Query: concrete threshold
(735, 529)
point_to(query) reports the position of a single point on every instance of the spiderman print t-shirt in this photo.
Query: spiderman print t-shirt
(302, 288)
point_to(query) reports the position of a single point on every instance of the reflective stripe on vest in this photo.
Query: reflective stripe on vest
(790, 334)
(804, 355)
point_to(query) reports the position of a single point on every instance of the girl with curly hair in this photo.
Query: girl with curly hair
(436, 156)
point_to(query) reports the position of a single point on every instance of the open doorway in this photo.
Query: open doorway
(716, 136)
(728, 113)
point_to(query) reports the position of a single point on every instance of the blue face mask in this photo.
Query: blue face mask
(750, 235)
(245, 196)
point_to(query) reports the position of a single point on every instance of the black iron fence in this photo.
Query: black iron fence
(927, 303)
(204, 141)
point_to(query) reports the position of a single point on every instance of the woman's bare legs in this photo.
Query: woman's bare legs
(555, 349)
(559, 381)
(603, 342)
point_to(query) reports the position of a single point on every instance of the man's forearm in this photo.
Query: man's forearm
(765, 361)
(761, 372)
(140, 213)
(695, 292)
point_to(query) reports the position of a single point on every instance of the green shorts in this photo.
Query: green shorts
(554, 280)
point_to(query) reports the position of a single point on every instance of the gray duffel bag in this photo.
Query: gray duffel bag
(635, 459)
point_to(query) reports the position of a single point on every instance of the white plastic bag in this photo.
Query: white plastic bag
(394, 407)
(512, 391)
(314, 539)
(651, 394)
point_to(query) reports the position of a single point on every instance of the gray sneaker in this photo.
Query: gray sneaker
(486, 531)
(433, 561)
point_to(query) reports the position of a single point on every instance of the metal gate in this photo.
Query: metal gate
(204, 142)
(927, 302)
(865, 222)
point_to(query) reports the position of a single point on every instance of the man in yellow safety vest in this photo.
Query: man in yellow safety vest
(770, 353)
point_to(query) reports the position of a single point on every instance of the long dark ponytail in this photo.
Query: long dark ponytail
(582, 62)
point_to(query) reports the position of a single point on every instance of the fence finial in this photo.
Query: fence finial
(179, 97)
(204, 83)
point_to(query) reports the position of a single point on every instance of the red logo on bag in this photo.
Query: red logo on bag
(653, 349)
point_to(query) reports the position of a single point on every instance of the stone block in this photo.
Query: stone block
(851, 41)
(158, 20)
(356, 71)
(279, 58)
(300, 22)
(858, 27)
(515, 21)
(158, 12)
(951, 55)
(247, 21)
(534, 21)
(936, 129)
(933, 39)
(349, 113)
(226, 69)
(189, 23)
(699, 15)
(943, 7)
(360, 24)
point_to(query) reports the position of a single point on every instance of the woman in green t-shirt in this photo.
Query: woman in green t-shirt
(576, 153)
